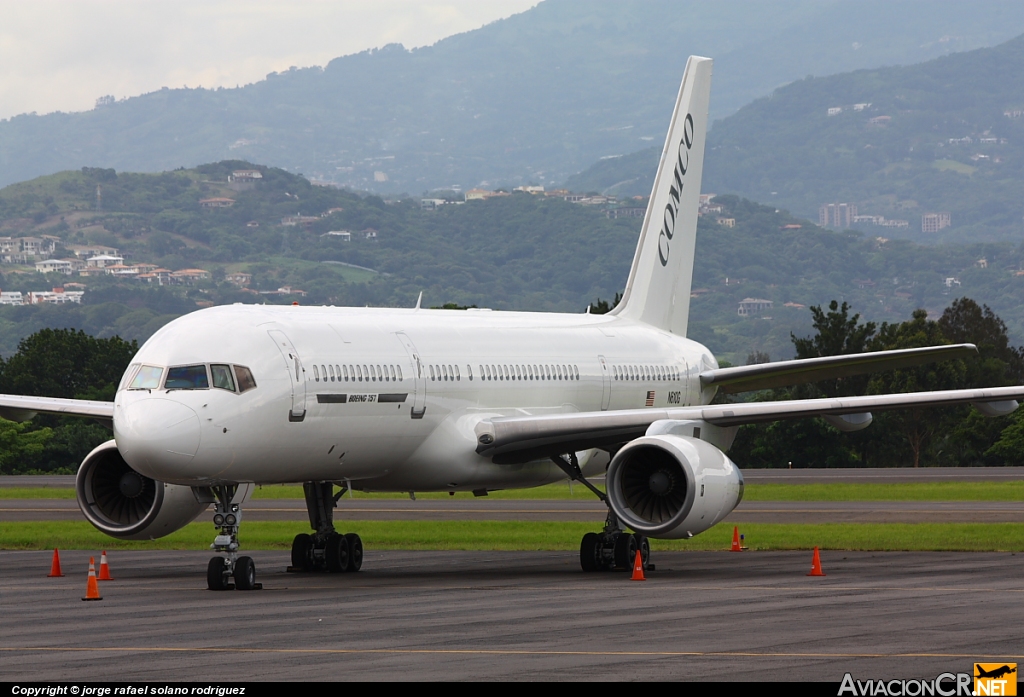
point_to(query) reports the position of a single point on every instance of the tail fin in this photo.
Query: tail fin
(658, 289)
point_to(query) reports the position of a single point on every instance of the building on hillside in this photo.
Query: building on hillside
(430, 204)
(121, 270)
(838, 215)
(58, 296)
(161, 277)
(37, 247)
(530, 189)
(284, 290)
(331, 211)
(246, 175)
(239, 278)
(726, 222)
(217, 202)
(792, 226)
(626, 212)
(478, 194)
(55, 266)
(90, 250)
(189, 276)
(296, 220)
(343, 235)
(101, 261)
(835, 110)
(11, 298)
(933, 222)
(795, 306)
(753, 306)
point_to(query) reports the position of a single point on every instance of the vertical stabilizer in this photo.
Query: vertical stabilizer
(658, 289)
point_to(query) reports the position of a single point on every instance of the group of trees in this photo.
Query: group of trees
(949, 436)
(59, 363)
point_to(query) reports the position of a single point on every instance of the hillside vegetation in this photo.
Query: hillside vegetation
(942, 136)
(535, 97)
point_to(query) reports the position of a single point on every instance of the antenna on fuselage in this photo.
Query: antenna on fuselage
(418, 301)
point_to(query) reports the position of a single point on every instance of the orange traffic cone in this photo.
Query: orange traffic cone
(104, 569)
(55, 571)
(638, 568)
(92, 589)
(736, 540)
(816, 565)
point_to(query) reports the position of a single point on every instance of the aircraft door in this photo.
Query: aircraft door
(296, 374)
(419, 380)
(606, 384)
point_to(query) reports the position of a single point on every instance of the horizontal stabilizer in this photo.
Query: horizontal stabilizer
(765, 376)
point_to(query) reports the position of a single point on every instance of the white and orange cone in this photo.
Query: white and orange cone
(92, 588)
(104, 568)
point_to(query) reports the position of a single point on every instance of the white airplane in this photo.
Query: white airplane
(409, 400)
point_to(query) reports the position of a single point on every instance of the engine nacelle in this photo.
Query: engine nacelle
(123, 503)
(671, 487)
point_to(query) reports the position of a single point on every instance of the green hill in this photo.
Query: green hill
(533, 98)
(518, 251)
(942, 136)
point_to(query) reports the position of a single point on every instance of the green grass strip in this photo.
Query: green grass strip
(840, 491)
(512, 536)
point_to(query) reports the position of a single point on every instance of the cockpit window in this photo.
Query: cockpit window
(187, 377)
(245, 378)
(222, 377)
(148, 378)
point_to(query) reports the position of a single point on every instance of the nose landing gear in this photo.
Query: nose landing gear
(612, 548)
(325, 549)
(230, 571)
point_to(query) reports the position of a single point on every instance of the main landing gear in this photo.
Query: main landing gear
(223, 570)
(325, 549)
(612, 548)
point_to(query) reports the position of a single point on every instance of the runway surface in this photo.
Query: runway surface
(546, 510)
(515, 616)
(752, 476)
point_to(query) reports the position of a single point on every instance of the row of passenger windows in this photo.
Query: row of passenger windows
(507, 372)
(357, 373)
(646, 372)
(234, 378)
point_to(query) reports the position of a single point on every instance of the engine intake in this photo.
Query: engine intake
(671, 486)
(122, 503)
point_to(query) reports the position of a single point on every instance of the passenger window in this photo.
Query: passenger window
(148, 378)
(458, 376)
(187, 377)
(505, 367)
(518, 375)
(222, 377)
(576, 371)
(367, 373)
(393, 373)
(444, 371)
(316, 373)
(337, 372)
(399, 370)
(431, 372)
(345, 369)
(380, 376)
(359, 371)
(245, 379)
(469, 372)
(330, 370)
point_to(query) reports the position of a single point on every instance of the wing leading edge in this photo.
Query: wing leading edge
(19, 408)
(509, 440)
(765, 376)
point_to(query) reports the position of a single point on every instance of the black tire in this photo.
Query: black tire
(215, 577)
(355, 552)
(625, 551)
(336, 553)
(245, 574)
(590, 552)
(301, 546)
(645, 548)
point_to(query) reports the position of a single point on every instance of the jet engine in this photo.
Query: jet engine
(123, 503)
(670, 487)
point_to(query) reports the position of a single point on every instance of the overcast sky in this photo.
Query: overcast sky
(60, 55)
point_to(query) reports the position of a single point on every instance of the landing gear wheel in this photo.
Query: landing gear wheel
(301, 547)
(336, 553)
(216, 579)
(355, 551)
(625, 551)
(645, 549)
(590, 552)
(245, 574)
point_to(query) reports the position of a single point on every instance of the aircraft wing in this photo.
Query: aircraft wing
(514, 439)
(20, 408)
(764, 376)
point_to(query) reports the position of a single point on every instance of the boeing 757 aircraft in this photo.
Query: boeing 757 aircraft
(409, 400)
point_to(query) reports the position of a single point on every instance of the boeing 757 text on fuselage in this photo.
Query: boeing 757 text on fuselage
(230, 397)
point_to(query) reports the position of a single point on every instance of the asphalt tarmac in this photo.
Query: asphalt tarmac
(754, 616)
(546, 510)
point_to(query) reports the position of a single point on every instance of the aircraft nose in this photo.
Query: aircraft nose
(156, 436)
